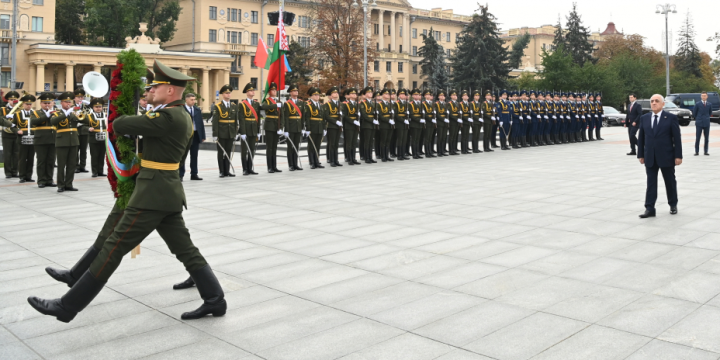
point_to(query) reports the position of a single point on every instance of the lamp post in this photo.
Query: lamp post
(365, 4)
(665, 10)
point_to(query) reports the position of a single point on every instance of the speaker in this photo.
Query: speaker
(274, 18)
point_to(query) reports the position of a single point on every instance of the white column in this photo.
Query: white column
(206, 89)
(97, 67)
(69, 77)
(226, 76)
(393, 31)
(40, 78)
(406, 33)
(31, 83)
(381, 41)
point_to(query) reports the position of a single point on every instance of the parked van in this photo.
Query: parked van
(688, 101)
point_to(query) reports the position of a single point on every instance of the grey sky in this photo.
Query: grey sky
(631, 17)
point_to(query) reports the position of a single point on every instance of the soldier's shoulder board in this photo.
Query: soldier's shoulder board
(152, 114)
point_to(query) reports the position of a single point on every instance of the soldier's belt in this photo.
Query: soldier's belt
(352, 117)
(453, 114)
(315, 119)
(333, 116)
(505, 112)
(386, 115)
(66, 130)
(227, 121)
(271, 117)
(45, 128)
(99, 131)
(158, 165)
(294, 117)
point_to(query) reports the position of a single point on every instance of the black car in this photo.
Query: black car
(684, 115)
(612, 117)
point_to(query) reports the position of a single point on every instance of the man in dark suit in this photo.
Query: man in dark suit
(659, 148)
(701, 113)
(634, 112)
(197, 137)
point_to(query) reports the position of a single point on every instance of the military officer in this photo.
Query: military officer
(97, 125)
(534, 118)
(442, 114)
(541, 114)
(417, 123)
(504, 109)
(476, 125)
(385, 118)
(10, 137)
(332, 116)
(44, 140)
(80, 104)
(574, 121)
(557, 110)
(401, 111)
(455, 122)
(156, 204)
(392, 143)
(592, 115)
(292, 112)
(368, 122)
(600, 115)
(562, 118)
(378, 100)
(224, 116)
(496, 121)
(67, 141)
(351, 125)
(248, 129)
(467, 122)
(431, 127)
(26, 157)
(489, 120)
(314, 127)
(515, 112)
(272, 126)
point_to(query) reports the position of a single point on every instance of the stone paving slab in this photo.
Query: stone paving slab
(523, 254)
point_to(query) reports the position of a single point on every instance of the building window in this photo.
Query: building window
(254, 39)
(388, 30)
(376, 66)
(424, 32)
(304, 41)
(253, 81)
(414, 68)
(303, 21)
(4, 21)
(212, 36)
(38, 2)
(400, 30)
(376, 84)
(37, 24)
(377, 46)
(414, 33)
(233, 37)
(388, 47)
(388, 66)
(414, 84)
(457, 37)
(271, 40)
(448, 53)
(438, 36)
(213, 13)
(252, 62)
(5, 53)
(543, 45)
(447, 36)
(414, 53)
(400, 67)
(376, 29)
(233, 14)
(400, 84)
(425, 85)
(235, 83)
(5, 79)
(254, 17)
(400, 50)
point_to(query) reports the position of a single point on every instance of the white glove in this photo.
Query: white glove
(459, 121)
(357, 123)
(79, 125)
(481, 120)
(279, 132)
(447, 121)
(9, 116)
(12, 125)
(460, 112)
(407, 122)
(304, 133)
(554, 117)
(510, 122)
(392, 111)
(286, 134)
(376, 122)
(568, 117)
(86, 102)
(594, 116)
(546, 117)
(492, 118)
(392, 122)
(243, 136)
(583, 117)
(324, 132)
(471, 111)
(237, 137)
(338, 123)
(527, 117)
(422, 121)
(341, 113)
(434, 121)
(279, 105)
(470, 120)
(501, 123)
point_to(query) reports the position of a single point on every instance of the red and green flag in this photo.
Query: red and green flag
(276, 62)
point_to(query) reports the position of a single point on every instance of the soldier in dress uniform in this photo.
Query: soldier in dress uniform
(557, 110)
(292, 112)
(156, 204)
(401, 111)
(83, 134)
(442, 114)
(66, 141)
(364, 96)
(378, 99)
(332, 116)
(367, 124)
(515, 113)
(314, 127)
(385, 118)
(476, 115)
(44, 140)
(455, 122)
(600, 115)
(248, 127)
(351, 125)
(394, 134)
(417, 123)
(467, 122)
(489, 121)
(562, 119)
(431, 127)
(26, 157)
(496, 122)
(504, 109)
(574, 119)
(534, 118)
(98, 125)
(224, 116)
(10, 137)
(592, 115)
(272, 126)
(550, 121)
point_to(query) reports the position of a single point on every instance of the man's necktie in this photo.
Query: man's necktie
(655, 122)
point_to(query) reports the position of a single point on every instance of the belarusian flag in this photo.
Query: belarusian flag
(276, 62)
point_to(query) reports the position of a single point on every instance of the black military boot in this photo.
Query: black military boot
(387, 153)
(274, 164)
(74, 301)
(210, 291)
(514, 142)
(549, 139)
(185, 284)
(597, 134)
(353, 158)
(370, 156)
(428, 151)
(590, 135)
(270, 169)
(71, 276)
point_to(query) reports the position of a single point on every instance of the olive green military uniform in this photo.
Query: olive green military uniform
(83, 138)
(97, 147)
(26, 158)
(292, 112)
(487, 113)
(66, 144)
(454, 126)
(272, 124)
(332, 112)
(11, 145)
(350, 129)
(313, 122)
(384, 111)
(400, 109)
(224, 127)
(416, 126)
(477, 124)
(431, 127)
(367, 126)
(465, 127)
(441, 113)
(248, 117)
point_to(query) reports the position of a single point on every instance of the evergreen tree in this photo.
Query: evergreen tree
(557, 70)
(301, 64)
(559, 36)
(108, 23)
(69, 22)
(576, 39)
(687, 58)
(430, 51)
(518, 50)
(440, 79)
(480, 59)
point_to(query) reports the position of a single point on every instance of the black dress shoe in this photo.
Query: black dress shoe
(271, 171)
(8, 177)
(77, 171)
(245, 173)
(696, 154)
(648, 213)
(95, 175)
(298, 168)
(356, 162)
(22, 181)
(632, 153)
(489, 150)
(60, 189)
(101, 174)
(223, 175)
(251, 172)
(707, 154)
(332, 164)
(338, 164)
(75, 300)
(41, 185)
(82, 170)
(52, 184)
(292, 168)
(188, 283)
(195, 177)
(71, 189)
(230, 175)
(673, 210)
(277, 170)
(30, 180)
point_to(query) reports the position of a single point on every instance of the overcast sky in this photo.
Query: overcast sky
(630, 17)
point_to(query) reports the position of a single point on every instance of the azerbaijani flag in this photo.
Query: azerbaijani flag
(276, 63)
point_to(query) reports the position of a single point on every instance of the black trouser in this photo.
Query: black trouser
(11, 153)
(194, 148)
(384, 147)
(361, 143)
(430, 134)
(350, 141)
(401, 133)
(97, 157)
(248, 154)
(293, 155)
(394, 135)
(442, 138)
(422, 139)
(476, 128)
(26, 161)
(453, 138)
(493, 134)
(632, 134)
(368, 137)
(668, 174)
(700, 130)
(45, 163)
(271, 143)
(377, 143)
(464, 136)
(82, 151)
(333, 143)
(314, 146)
(223, 157)
(489, 129)
(415, 141)
(66, 162)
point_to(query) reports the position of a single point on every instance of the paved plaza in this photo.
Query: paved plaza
(532, 253)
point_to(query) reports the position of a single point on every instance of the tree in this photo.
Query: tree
(430, 51)
(687, 58)
(576, 39)
(337, 33)
(480, 59)
(518, 50)
(440, 79)
(69, 21)
(108, 23)
(557, 70)
(559, 36)
(301, 64)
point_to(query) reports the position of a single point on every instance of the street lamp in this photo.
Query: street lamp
(365, 4)
(665, 10)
